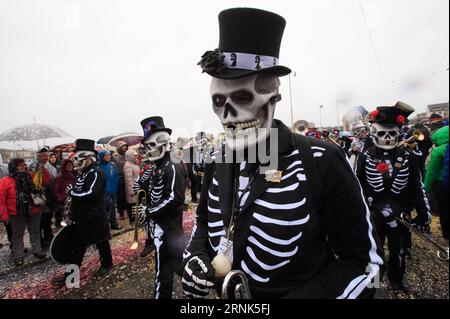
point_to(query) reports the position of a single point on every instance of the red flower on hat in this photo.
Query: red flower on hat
(401, 120)
(383, 168)
(374, 114)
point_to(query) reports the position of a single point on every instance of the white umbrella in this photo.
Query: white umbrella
(32, 132)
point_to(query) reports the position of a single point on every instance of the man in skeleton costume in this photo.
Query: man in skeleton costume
(301, 230)
(88, 214)
(392, 183)
(165, 186)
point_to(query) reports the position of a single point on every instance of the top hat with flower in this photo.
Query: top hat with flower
(391, 115)
(152, 125)
(249, 43)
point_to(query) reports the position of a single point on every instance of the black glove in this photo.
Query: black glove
(197, 280)
(421, 224)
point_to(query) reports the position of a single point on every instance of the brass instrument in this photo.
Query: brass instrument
(137, 210)
(411, 142)
(239, 281)
(300, 127)
(67, 208)
(442, 252)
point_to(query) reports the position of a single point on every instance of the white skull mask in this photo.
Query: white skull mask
(156, 146)
(385, 136)
(245, 108)
(80, 158)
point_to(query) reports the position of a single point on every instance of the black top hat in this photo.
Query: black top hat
(152, 125)
(394, 115)
(249, 43)
(85, 145)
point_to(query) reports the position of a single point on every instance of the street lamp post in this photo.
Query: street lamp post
(320, 116)
(337, 112)
(290, 99)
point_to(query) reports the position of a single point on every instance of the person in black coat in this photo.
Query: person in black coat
(88, 214)
(165, 186)
(392, 182)
(294, 224)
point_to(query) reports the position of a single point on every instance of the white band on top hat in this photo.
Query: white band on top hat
(247, 61)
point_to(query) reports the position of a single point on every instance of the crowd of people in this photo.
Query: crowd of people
(313, 226)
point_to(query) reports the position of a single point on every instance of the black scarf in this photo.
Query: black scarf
(24, 188)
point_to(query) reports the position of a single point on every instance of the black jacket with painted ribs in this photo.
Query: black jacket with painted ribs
(166, 186)
(89, 206)
(286, 247)
(402, 189)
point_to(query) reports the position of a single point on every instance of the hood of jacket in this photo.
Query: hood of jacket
(102, 154)
(441, 136)
(130, 156)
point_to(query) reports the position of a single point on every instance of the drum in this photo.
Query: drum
(61, 248)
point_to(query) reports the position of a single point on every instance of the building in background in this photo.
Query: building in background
(7, 154)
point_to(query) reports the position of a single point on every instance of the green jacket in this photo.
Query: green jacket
(435, 171)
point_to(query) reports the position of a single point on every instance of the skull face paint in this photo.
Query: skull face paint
(245, 108)
(80, 159)
(385, 136)
(156, 146)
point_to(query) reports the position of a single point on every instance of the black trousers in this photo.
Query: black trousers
(46, 225)
(104, 250)
(395, 237)
(196, 184)
(122, 204)
(9, 232)
(169, 246)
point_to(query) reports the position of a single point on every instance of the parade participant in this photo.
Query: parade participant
(88, 214)
(165, 194)
(65, 178)
(392, 184)
(16, 207)
(300, 231)
(423, 146)
(199, 151)
(436, 178)
(362, 140)
(112, 181)
(143, 183)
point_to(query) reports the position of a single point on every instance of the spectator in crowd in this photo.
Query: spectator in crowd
(3, 173)
(436, 178)
(65, 178)
(121, 195)
(54, 161)
(112, 181)
(131, 174)
(436, 122)
(3, 168)
(43, 174)
(17, 209)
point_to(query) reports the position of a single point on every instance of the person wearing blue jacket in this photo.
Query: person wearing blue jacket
(112, 183)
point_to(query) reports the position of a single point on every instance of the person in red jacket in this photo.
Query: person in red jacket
(16, 207)
(65, 178)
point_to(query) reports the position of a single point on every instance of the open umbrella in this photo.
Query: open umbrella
(32, 132)
(105, 140)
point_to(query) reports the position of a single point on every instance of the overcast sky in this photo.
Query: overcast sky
(97, 67)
